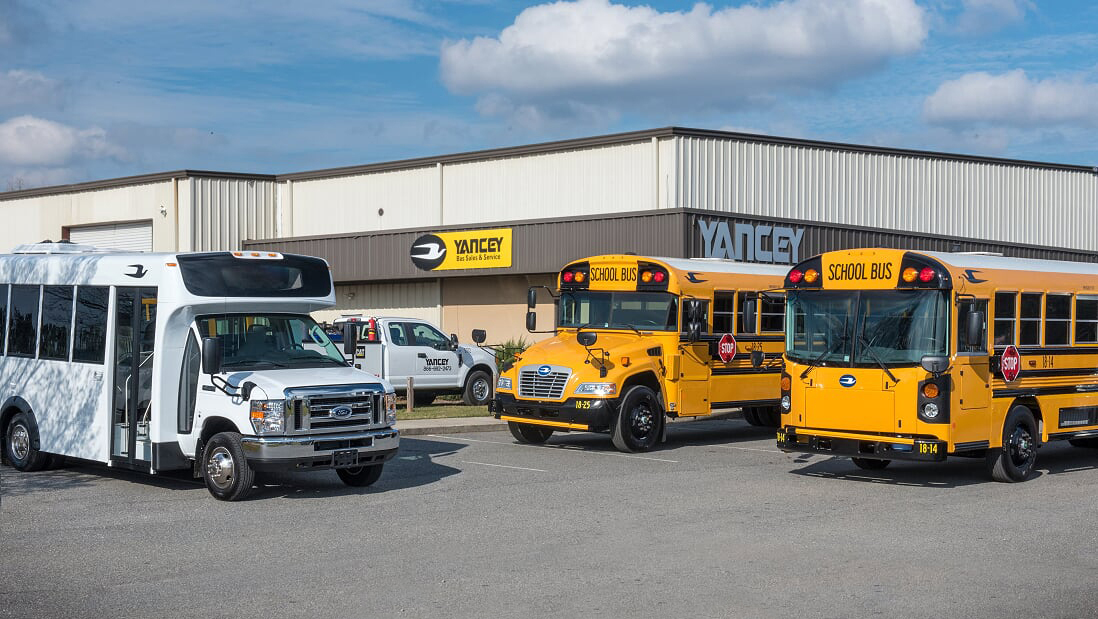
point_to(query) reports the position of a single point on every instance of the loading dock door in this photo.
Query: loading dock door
(131, 236)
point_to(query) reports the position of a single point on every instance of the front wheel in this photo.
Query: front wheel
(225, 469)
(360, 476)
(870, 464)
(528, 434)
(478, 389)
(1015, 459)
(19, 443)
(639, 422)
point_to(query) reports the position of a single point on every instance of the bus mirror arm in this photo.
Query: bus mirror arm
(935, 364)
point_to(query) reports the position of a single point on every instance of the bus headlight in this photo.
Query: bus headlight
(785, 403)
(267, 416)
(930, 410)
(390, 408)
(504, 382)
(596, 389)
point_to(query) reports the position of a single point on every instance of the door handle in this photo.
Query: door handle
(422, 355)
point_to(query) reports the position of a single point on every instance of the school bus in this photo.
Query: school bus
(889, 357)
(638, 339)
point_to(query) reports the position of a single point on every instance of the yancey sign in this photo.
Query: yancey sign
(751, 242)
(469, 249)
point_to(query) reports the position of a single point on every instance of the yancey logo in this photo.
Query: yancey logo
(544, 370)
(139, 270)
(468, 249)
(428, 252)
(846, 380)
(970, 276)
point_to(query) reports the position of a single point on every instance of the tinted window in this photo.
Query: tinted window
(224, 275)
(1030, 329)
(772, 313)
(1086, 320)
(724, 311)
(964, 308)
(188, 383)
(397, 335)
(1057, 319)
(23, 329)
(3, 315)
(741, 327)
(427, 335)
(56, 318)
(1005, 313)
(90, 340)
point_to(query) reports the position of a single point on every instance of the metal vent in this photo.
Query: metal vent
(543, 385)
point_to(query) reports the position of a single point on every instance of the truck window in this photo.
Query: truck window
(426, 335)
(397, 335)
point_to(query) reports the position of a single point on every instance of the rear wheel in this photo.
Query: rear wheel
(1015, 459)
(478, 388)
(225, 469)
(360, 476)
(19, 444)
(870, 464)
(529, 434)
(423, 398)
(751, 416)
(640, 420)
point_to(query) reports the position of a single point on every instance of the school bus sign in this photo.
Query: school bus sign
(468, 249)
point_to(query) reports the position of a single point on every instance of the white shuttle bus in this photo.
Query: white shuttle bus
(201, 361)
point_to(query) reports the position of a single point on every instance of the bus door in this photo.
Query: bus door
(134, 345)
(971, 378)
(694, 373)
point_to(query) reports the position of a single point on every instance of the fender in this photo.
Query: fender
(16, 404)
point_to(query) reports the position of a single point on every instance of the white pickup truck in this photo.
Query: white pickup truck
(395, 348)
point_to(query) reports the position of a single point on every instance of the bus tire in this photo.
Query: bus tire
(19, 440)
(1013, 462)
(1089, 443)
(639, 423)
(225, 470)
(529, 434)
(423, 398)
(770, 416)
(478, 388)
(870, 464)
(360, 476)
(751, 416)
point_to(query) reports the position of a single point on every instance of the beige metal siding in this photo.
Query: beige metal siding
(409, 198)
(226, 211)
(407, 299)
(984, 200)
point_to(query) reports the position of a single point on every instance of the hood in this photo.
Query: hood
(564, 350)
(273, 383)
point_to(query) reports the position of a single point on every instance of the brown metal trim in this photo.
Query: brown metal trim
(125, 181)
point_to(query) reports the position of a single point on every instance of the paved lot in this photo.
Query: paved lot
(716, 524)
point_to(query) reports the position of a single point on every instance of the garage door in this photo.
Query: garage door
(127, 236)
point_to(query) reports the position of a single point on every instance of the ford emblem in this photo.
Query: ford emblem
(847, 380)
(341, 411)
(544, 370)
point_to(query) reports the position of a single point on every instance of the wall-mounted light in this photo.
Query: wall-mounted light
(350, 294)
(163, 211)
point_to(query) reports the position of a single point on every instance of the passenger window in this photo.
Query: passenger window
(23, 329)
(964, 308)
(772, 313)
(1057, 319)
(188, 384)
(90, 341)
(1005, 313)
(426, 335)
(741, 327)
(1086, 320)
(396, 334)
(724, 311)
(56, 319)
(3, 316)
(1029, 331)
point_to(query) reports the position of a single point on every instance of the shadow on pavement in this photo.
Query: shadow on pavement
(680, 435)
(79, 474)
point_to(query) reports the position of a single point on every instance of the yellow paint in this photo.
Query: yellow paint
(861, 269)
(476, 249)
(542, 422)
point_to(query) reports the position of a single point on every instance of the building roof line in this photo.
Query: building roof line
(126, 181)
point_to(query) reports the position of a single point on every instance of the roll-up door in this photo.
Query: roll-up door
(132, 236)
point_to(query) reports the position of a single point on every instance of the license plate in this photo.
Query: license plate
(344, 458)
(781, 437)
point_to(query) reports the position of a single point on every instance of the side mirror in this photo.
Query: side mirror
(453, 341)
(974, 330)
(211, 355)
(587, 339)
(750, 319)
(350, 338)
(757, 358)
(935, 364)
(479, 336)
(531, 298)
(531, 321)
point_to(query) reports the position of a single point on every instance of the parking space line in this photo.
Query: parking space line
(503, 466)
(557, 447)
(769, 451)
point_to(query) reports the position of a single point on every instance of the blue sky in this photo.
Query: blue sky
(106, 88)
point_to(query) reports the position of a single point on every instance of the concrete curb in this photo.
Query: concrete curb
(450, 425)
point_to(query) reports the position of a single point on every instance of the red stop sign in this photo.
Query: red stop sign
(726, 348)
(1010, 363)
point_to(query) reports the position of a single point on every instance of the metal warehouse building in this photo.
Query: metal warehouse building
(508, 218)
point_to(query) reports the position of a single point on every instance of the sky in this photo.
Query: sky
(108, 88)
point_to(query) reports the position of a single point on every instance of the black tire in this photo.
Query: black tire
(423, 398)
(360, 476)
(225, 469)
(769, 416)
(529, 434)
(1088, 443)
(1013, 462)
(751, 416)
(478, 388)
(870, 464)
(19, 440)
(639, 423)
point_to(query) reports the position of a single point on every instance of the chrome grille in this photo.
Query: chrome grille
(548, 387)
(312, 407)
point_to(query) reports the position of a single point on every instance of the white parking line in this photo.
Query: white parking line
(769, 451)
(557, 447)
(502, 466)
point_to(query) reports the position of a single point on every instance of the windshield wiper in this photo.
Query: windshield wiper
(831, 349)
(869, 351)
(253, 361)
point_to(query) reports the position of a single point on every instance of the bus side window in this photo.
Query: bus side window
(740, 326)
(90, 334)
(964, 308)
(1029, 331)
(188, 384)
(23, 330)
(3, 317)
(1006, 311)
(1086, 320)
(1057, 319)
(724, 310)
(772, 313)
(56, 317)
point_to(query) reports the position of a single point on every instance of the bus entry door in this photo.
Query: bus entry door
(693, 379)
(971, 379)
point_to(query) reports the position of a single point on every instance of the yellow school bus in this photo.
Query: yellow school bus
(889, 357)
(638, 339)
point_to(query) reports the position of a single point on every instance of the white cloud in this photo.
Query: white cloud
(19, 87)
(985, 16)
(562, 58)
(31, 141)
(1013, 99)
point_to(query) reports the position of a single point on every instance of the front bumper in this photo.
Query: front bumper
(583, 414)
(866, 446)
(320, 451)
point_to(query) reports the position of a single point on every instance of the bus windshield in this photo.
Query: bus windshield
(619, 310)
(265, 341)
(224, 275)
(866, 328)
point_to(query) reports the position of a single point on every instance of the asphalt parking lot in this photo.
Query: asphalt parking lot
(717, 523)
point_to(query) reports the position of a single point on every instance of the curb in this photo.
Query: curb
(450, 426)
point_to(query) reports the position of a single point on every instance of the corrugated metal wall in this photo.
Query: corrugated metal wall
(226, 211)
(333, 205)
(983, 200)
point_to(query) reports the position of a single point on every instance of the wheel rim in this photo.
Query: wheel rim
(480, 389)
(220, 467)
(1021, 446)
(20, 442)
(641, 420)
